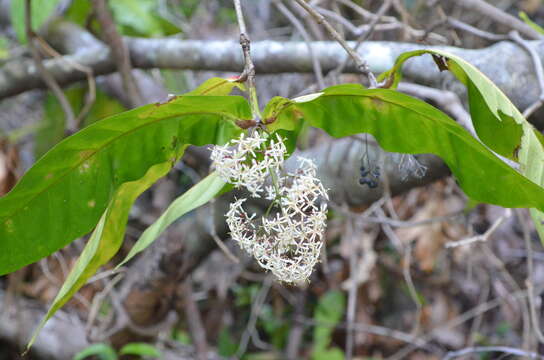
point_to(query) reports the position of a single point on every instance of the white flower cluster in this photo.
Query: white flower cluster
(240, 166)
(288, 242)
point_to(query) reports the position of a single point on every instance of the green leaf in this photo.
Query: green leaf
(65, 193)
(103, 351)
(137, 15)
(328, 313)
(404, 124)
(329, 354)
(195, 197)
(497, 121)
(79, 11)
(217, 87)
(226, 346)
(105, 241)
(41, 12)
(523, 16)
(141, 349)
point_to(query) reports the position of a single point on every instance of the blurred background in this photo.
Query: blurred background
(410, 270)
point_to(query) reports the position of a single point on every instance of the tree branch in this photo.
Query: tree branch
(510, 68)
(119, 51)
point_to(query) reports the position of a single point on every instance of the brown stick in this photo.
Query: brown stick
(500, 16)
(46, 76)
(119, 51)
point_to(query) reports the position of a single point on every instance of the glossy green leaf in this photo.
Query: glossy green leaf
(404, 124)
(195, 197)
(42, 10)
(498, 123)
(103, 351)
(106, 239)
(140, 349)
(65, 193)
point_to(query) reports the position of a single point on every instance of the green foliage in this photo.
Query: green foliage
(52, 127)
(274, 326)
(197, 196)
(102, 351)
(41, 12)
(79, 11)
(226, 344)
(140, 349)
(106, 352)
(328, 313)
(497, 121)
(404, 124)
(105, 241)
(4, 48)
(140, 18)
(66, 191)
(523, 16)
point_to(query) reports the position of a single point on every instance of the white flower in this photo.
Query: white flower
(289, 241)
(238, 162)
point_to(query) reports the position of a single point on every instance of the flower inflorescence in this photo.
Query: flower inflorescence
(288, 241)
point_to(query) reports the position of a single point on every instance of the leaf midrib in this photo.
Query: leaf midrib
(104, 146)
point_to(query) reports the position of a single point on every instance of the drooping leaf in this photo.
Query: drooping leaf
(404, 124)
(498, 123)
(105, 241)
(195, 197)
(41, 12)
(65, 193)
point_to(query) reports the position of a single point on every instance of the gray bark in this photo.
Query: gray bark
(505, 63)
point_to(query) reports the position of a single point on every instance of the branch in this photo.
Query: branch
(119, 51)
(511, 69)
(47, 78)
(499, 16)
(361, 64)
(249, 69)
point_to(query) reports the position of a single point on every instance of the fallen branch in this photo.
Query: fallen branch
(511, 69)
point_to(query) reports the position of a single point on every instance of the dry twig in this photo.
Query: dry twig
(120, 52)
(46, 76)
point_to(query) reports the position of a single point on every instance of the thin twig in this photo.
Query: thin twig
(361, 64)
(537, 63)
(529, 280)
(483, 237)
(194, 321)
(480, 309)
(298, 25)
(492, 12)
(381, 11)
(90, 98)
(458, 24)
(119, 51)
(46, 76)
(502, 349)
(248, 75)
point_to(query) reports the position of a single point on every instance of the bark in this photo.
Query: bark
(505, 63)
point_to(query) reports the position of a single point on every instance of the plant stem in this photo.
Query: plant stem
(360, 63)
(248, 75)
